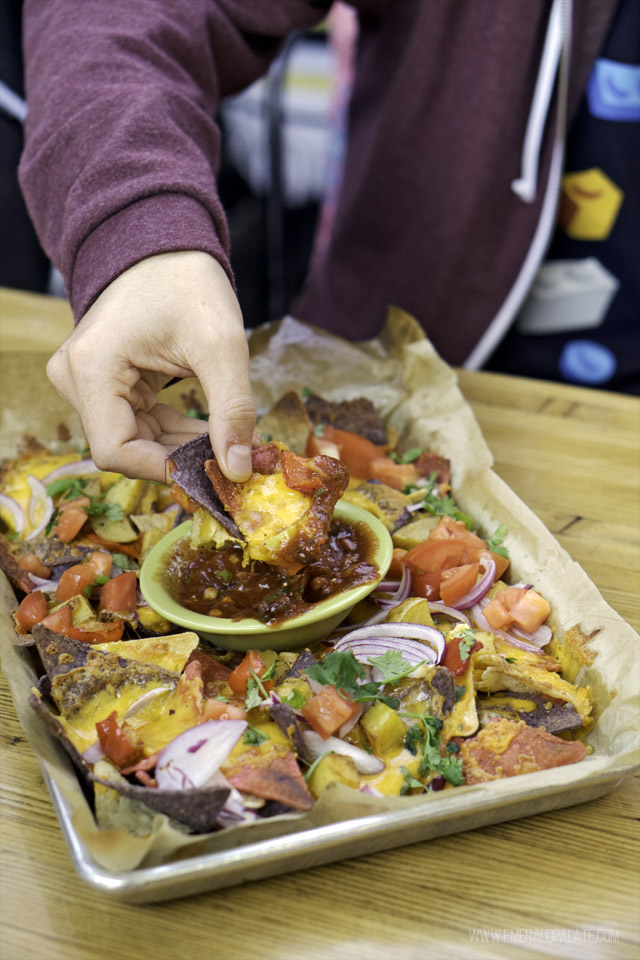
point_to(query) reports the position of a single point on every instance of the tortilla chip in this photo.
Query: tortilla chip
(533, 708)
(284, 509)
(507, 748)
(287, 422)
(197, 809)
(185, 468)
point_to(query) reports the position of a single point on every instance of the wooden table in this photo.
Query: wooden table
(564, 884)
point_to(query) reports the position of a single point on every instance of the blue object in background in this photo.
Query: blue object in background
(587, 362)
(614, 91)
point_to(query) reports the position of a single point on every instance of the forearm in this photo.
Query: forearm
(121, 144)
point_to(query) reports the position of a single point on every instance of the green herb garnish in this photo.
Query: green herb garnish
(410, 782)
(393, 666)
(342, 670)
(467, 640)
(112, 511)
(254, 736)
(494, 542)
(296, 699)
(73, 487)
(407, 457)
(424, 736)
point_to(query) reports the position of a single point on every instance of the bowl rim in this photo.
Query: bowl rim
(166, 606)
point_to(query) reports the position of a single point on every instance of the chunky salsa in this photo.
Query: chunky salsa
(213, 581)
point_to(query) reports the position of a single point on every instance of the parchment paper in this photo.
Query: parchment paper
(418, 393)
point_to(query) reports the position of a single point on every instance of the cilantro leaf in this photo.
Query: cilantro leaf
(451, 770)
(72, 486)
(98, 581)
(425, 736)
(112, 511)
(410, 782)
(439, 506)
(392, 666)
(467, 640)
(254, 736)
(494, 542)
(341, 669)
(407, 457)
(253, 696)
(296, 699)
(413, 739)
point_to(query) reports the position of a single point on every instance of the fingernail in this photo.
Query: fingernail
(239, 460)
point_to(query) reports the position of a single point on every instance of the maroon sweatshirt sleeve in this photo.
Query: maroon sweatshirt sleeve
(121, 143)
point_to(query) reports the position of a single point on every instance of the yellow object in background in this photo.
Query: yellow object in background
(589, 204)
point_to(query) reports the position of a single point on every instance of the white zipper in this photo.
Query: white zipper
(555, 59)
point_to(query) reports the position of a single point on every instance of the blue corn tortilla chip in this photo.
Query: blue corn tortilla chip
(185, 468)
(197, 809)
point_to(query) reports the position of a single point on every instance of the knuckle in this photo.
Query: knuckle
(240, 410)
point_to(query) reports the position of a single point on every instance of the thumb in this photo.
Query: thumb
(224, 377)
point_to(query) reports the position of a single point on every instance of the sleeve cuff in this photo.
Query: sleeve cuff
(163, 223)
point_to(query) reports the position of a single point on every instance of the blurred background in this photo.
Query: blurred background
(283, 141)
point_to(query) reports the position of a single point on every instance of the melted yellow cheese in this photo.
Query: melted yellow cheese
(16, 485)
(391, 780)
(170, 652)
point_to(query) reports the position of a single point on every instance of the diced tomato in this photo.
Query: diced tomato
(219, 710)
(502, 563)
(300, 473)
(117, 747)
(452, 659)
(457, 582)
(239, 677)
(530, 612)
(32, 610)
(328, 710)
(396, 567)
(516, 605)
(75, 579)
(448, 529)
(131, 549)
(396, 475)
(425, 585)
(105, 633)
(59, 621)
(70, 522)
(33, 563)
(434, 556)
(318, 446)
(119, 594)
(355, 451)
(102, 561)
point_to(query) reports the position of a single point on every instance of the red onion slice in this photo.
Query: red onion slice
(16, 511)
(539, 638)
(77, 468)
(195, 755)
(400, 589)
(94, 753)
(46, 586)
(365, 763)
(404, 637)
(436, 606)
(145, 699)
(483, 585)
(39, 501)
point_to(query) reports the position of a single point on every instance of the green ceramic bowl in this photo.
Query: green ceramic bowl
(250, 634)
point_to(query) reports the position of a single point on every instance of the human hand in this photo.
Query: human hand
(171, 315)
